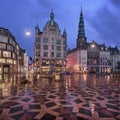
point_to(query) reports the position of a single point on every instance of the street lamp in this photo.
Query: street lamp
(93, 45)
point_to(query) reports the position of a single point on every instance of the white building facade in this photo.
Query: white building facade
(50, 48)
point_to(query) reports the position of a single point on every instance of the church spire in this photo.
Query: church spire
(64, 33)
(81, 29)
(81, 38)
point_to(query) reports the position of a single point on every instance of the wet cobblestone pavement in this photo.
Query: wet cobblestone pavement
(77, 97)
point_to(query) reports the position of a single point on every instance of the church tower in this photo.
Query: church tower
(81, 38)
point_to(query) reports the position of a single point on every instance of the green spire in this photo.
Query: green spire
(37, 29)
(81, 30)
(64, 33)
(52, 15)
(52, 22)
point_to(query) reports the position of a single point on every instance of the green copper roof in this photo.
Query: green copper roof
(81, 30)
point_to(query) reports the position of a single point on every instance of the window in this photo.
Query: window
(37, 53)
(9, 61)
(3, 39)
(15, 62)
(45, 40)
(64, 55)
(0, 53)
(37, 39)
(52, 54)
(45, 54)
(58, 54)
(52, 47)
(2, 60)
(0, 69)
(6, 54)
(2, 46)
(17, 48)
(52, 40)
(58, 48)
(11, 41)
(64, 48)
(14, 43)
(58, 42)
(37, 46)
(45, 47)
(64, 42)
(9, 47)
(14, 56)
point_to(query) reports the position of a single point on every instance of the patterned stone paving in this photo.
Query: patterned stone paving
(78, 97)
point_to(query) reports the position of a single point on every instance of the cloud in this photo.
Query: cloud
(106, 24)
(116, 3)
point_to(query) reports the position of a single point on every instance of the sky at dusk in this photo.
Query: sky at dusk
(101, 19)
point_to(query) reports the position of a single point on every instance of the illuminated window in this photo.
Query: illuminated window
(6, 54)
(0, 77)
(15, 61)
(9, 61)
(0, 53)
(2, 60)
(14, 56)
(94, 61)
(2, 46)
(0, 69)
(17, 47)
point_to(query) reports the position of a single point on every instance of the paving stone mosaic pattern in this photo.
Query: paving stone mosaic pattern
(78, 97)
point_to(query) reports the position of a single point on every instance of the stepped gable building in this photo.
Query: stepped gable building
(50, 47)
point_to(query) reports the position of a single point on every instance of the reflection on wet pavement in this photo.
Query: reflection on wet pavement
(76, 97)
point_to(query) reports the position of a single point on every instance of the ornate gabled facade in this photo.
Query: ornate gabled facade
(93, 57)
(50, 47)
(105, 60)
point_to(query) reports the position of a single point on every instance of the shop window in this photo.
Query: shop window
(6, 54)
